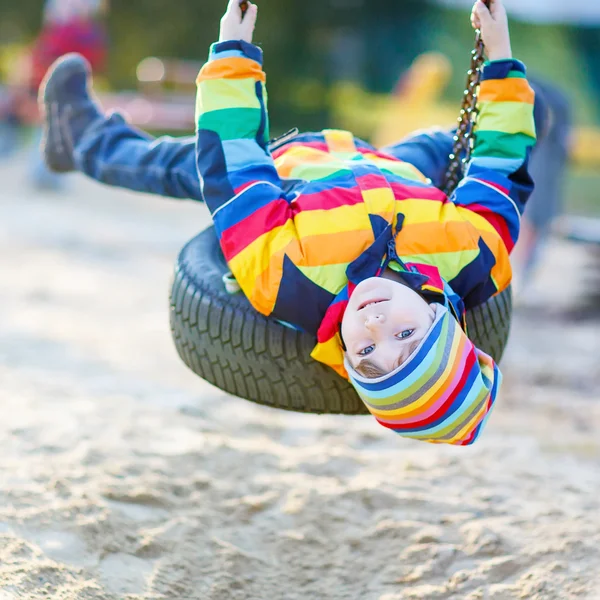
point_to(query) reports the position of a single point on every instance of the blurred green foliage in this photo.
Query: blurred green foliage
(310, 43)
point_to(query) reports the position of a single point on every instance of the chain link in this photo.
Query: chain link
(464, 140)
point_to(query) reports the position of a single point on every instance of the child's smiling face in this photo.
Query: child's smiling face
(383, 324)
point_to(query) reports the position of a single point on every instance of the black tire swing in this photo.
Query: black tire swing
(221, 338)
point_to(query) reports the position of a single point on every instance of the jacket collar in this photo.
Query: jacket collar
(381, 254)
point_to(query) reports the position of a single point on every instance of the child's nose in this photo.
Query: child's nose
(374, 320)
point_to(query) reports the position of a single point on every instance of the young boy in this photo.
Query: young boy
(351, 244)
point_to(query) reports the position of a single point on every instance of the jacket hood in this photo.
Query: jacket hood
(442, 394)
(423, 279)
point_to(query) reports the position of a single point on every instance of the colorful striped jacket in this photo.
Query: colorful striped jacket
(297, 255)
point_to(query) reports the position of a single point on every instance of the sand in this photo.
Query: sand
(123, 476)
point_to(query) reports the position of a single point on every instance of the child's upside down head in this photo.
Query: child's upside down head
(384, 323)
(413, 365)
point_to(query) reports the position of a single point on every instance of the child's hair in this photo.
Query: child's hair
(370, 370)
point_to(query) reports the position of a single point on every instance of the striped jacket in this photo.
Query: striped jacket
(298, 254)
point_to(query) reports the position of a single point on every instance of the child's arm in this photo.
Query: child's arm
(252, 217)
(497, 184)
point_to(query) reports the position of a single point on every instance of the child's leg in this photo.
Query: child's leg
(428, 150)
(79, 137)
(114, 153)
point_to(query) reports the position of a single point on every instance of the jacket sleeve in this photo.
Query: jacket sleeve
(252, 216)
(497, 183)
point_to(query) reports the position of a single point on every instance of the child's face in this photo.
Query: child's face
(383, 323)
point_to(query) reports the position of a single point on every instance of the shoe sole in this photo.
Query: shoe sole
(57, 146)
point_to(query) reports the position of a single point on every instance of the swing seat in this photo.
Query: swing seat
(221, 338)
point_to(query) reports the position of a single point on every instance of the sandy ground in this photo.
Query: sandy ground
(123, 476)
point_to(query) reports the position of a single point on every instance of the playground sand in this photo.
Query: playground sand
(123, 476)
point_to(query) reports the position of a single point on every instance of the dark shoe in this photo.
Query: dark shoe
(69, 108)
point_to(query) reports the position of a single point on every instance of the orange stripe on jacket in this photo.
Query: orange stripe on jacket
(506, 90)
(231, 68)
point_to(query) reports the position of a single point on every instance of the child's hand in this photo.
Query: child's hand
(234, 27)
(493, 24)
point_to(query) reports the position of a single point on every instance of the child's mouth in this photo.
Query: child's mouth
(371, 302)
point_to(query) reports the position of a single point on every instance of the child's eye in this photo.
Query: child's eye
(367, 350)
(405, 334)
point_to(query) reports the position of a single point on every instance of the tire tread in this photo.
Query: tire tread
(221, 338)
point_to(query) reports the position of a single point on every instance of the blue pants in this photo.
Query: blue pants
(117, 154)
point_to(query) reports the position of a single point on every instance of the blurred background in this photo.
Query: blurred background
(123, 475)
(379, 68)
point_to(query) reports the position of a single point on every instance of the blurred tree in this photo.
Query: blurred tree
(308, 44)
(19, 20)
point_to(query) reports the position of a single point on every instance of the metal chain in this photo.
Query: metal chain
(464, 140)
(467, 121)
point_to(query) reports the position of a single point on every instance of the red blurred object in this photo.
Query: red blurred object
(85, 37)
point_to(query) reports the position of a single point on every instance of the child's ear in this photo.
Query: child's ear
(342, 339)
